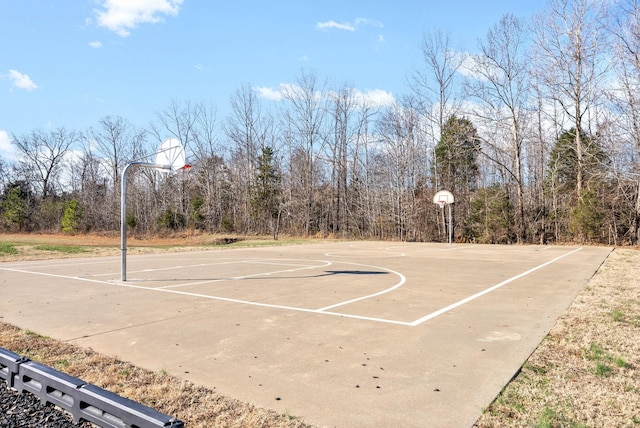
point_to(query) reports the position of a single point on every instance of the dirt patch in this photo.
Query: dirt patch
(20, 247)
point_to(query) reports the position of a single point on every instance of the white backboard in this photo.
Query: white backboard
(171, 154)
(443, 197)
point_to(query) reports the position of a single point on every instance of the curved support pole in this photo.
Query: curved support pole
(123, 211)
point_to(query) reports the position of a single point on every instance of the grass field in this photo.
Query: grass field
(585, 373)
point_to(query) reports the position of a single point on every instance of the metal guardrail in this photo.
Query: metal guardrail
(82, 400)
(9, 363)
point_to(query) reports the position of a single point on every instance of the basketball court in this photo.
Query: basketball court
(346, 334)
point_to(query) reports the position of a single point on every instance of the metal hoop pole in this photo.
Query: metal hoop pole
(123, 212)
(450, 226)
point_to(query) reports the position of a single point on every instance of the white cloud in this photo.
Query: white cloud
(285, 90)
(375, 97)
(20, 80)
(203, 68)
(371, 97)
(362, 22)
(95, 44)
(473, 68)
(333, 24)
(7, 150)
(122, 16)
(349, 26)
(268, 93)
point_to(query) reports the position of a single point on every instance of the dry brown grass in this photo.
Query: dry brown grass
(585, 373)
(29, 246)
(196, 406)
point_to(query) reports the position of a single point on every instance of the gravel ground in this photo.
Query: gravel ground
(25, 410)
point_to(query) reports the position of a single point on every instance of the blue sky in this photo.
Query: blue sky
(68, 63)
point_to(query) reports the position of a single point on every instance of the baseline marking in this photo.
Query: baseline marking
(204, 296)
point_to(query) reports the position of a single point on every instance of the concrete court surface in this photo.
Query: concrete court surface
(347, 334)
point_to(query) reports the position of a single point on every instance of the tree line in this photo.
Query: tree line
(537, 135)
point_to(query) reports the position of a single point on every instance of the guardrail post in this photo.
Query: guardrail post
(9, 365)
(51, 386)
(107, 409)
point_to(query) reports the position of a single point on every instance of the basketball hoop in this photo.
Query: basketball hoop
(170, 158)
(442, 198)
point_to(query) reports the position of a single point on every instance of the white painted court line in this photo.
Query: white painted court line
(396, 286)
(276, 263)
(488, 290)
(322, 311)
(378, 254)
(235, 278)
(53, 275)
(205, 296)
(182, 267)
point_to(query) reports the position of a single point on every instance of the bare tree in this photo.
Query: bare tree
(210, 171)
(249, 130)
(404, 166)
(4, 173)
(115, 139)
(42, 157)
(502, 87)
(570, 50)
(91, 189)
(177, 120)
(436, 85)
(172, 200)
(627, 97)
(304, 126)
(342, 105)
(350, 117)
